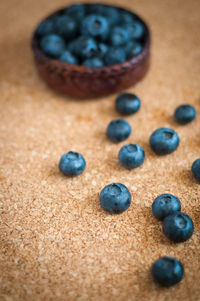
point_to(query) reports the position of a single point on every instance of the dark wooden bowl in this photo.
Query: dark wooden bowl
(84, 82)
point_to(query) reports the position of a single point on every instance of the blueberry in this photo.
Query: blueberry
(167, 271)
(66, 27)
(185, 114)
(102, 49)
(164, 205)
(45, 27)
(84, 47)
(126, 17)
(118, 36)
(112, 15)
(164, 141)
(72, 164)
(69, 58)
(178, 227)
(115, 56)
(196, 169)
(97, 8)
(129, 46)
(53, 45)
(76, 11)
(135, 50)
(118, 130)
(94, 62)
(115, 198)
(131, 156)
(127, 103)
(134, 29)
(95, 26)
(72, 46)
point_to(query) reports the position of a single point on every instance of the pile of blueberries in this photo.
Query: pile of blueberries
(116, 198)
(91, 35)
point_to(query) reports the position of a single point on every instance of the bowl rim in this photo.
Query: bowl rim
(55, 63)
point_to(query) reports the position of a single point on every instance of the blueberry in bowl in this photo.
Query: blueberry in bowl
(95, 26)
(91, 50)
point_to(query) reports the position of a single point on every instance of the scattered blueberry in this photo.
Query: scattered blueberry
(185, 114)
(66, 27)
(94, 62)
(53, 45)
(164, 205)
(196, 169)
(115, 198)
(178, 227)
(76, 11)
(72, 164)
(118, 130)
(127, 103)
(95, 26)
(164, 141)
(45, 27)
(167, 271)
(135, 50)
(69, 58)
(115, 56)
(131, 156)
(118, 36)
(135, 29)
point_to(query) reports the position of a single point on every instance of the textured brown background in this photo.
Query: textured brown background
(56, 241)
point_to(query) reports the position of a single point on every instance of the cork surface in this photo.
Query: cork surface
(56, 243)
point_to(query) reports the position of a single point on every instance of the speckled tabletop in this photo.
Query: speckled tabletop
(56, 243)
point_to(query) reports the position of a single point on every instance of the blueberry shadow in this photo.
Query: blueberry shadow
(98, 211)
(94, 204)
(55, 175)
(187, 175)
(171, 121)
(156, 230)
(113, 160)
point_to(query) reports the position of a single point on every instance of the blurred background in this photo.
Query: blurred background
(56, 242)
